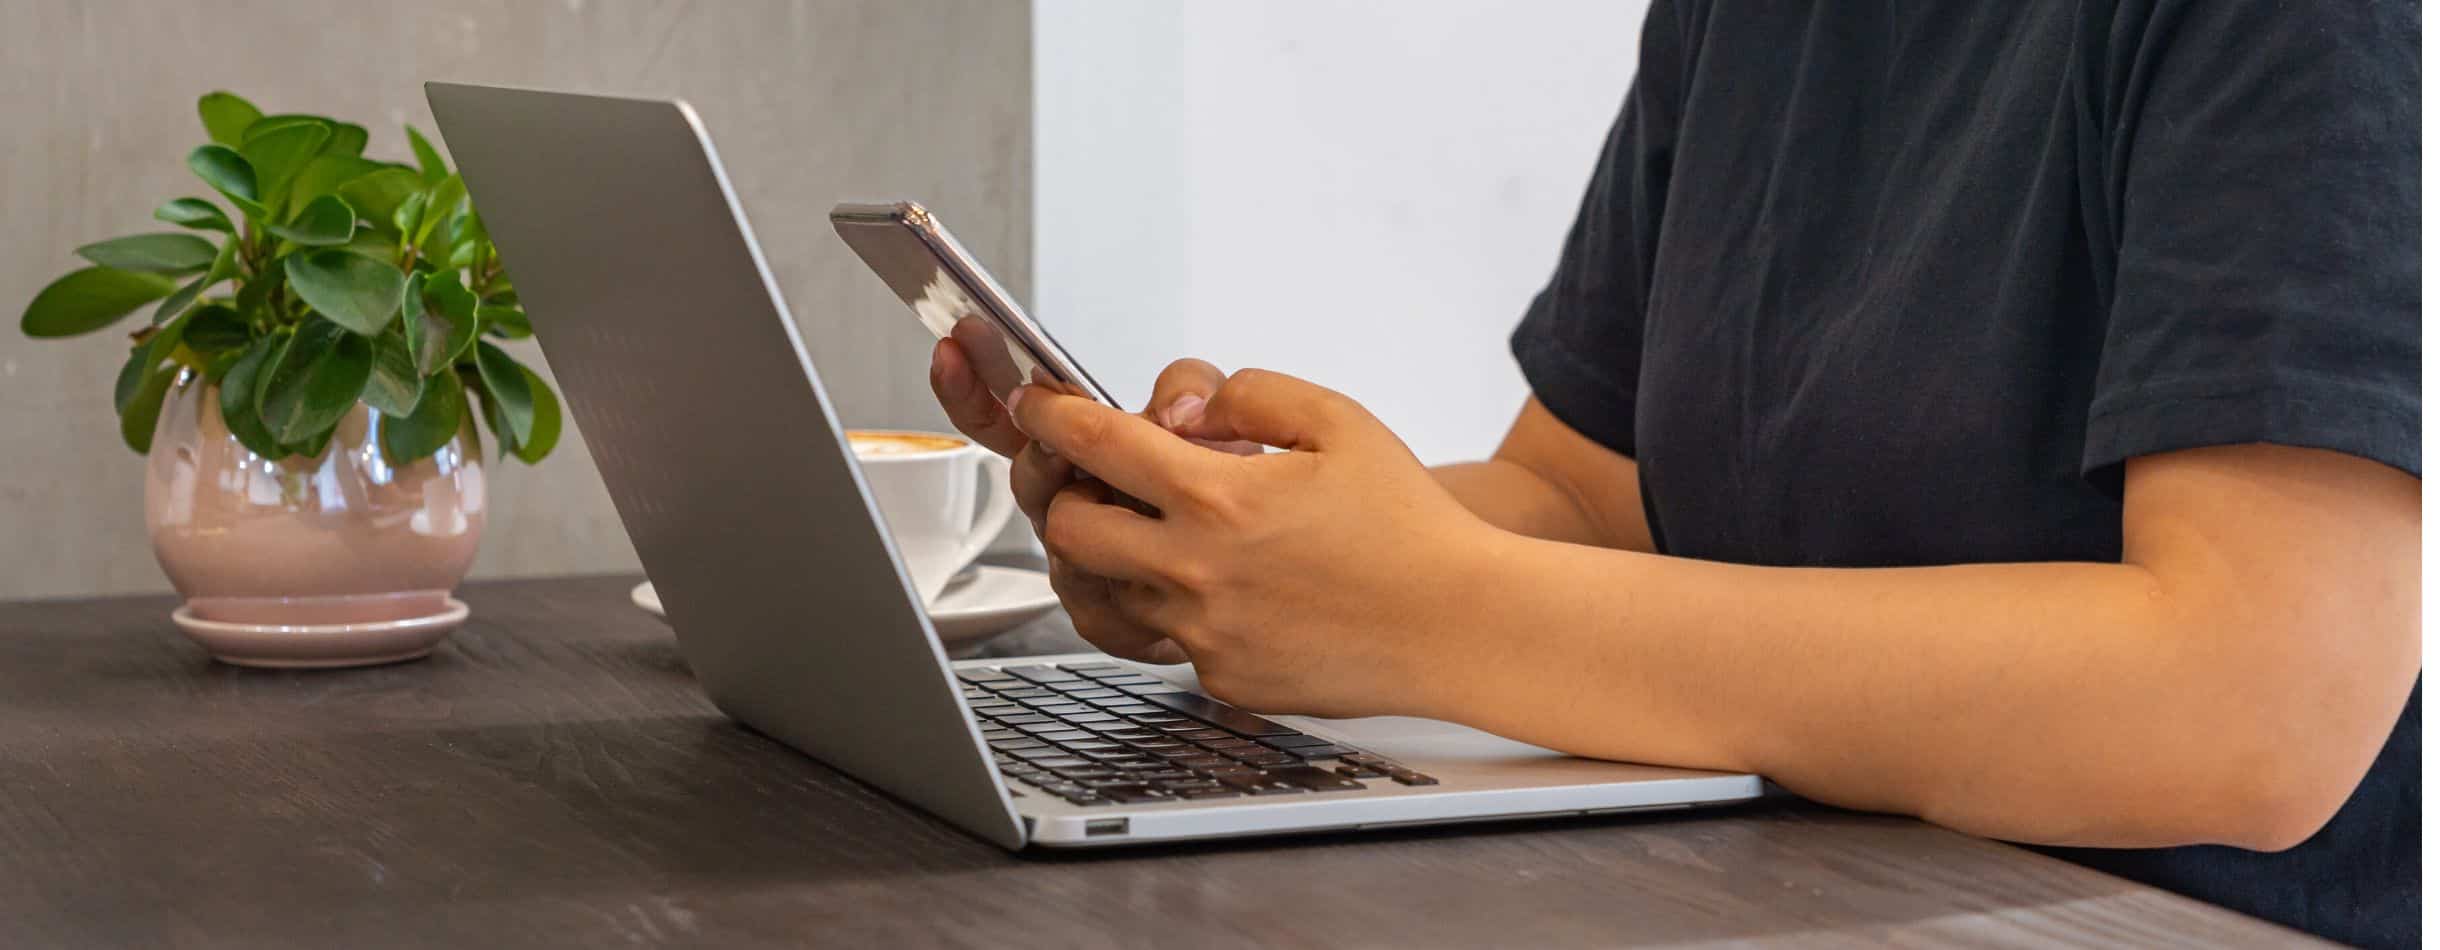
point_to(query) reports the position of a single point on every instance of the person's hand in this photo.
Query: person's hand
(1322, 580)
(1036, 475)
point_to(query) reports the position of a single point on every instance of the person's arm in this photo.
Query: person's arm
(2229, 681)
(1549, 481)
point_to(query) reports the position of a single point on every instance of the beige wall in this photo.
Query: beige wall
(809, 102)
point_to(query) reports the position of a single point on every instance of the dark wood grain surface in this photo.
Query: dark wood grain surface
(552, 777)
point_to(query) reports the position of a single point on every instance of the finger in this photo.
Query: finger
(969, 405)
(1090, 607)
(1084, 529)
(1034, 477)
(1131, 453)
(1277, 409)
(1178, 395)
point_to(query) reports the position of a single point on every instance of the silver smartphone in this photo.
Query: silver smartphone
(955, 298)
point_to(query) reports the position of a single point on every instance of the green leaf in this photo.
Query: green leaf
(326, 173)
(504, 384)
(546, 420)
(176, 303)
(440, 207)
(377, 194)
(426, 157)
(434, 420)
(164, 253)
(346, 139)
(409, 219)
(435, 333)
(279, 153)
(194, 213)
(216, 328)
(325, 221)
(354, 291)
(166, 337)
(230, 174)
(507, 323)
(238, 389)
(317, 377)
(224, 264)
(131, 377)
(395, 385)
(439, 321)
(142, 412)
(90, 299)
(226, 117)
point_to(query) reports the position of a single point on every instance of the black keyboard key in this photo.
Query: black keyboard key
(1091, 745)
(1090, 718)
(982, 676)
(1222, 791)
(1219, 714)
(1203, 761)
(1094, 665)
(1318, 751)
(1137, 733)
(1036, 755)
(1088, 800)
(1152, 689)
(1136, 794)
(1063, 737)
(1063, 710)
(1183, 726)
(1410, 777)
(1085, 773)
(1035, 672)
(1163, 776)
(1126, 679)
(1183, 751)
(1312, 779)
(1021, 695)
(993, 708)
(1226, 745)
(1100, 673)
(1012, 745)
(1021, 720)
(1284, 743)
(1114, 725)
(1106, 702)
(1204, 735)
(1158, 744)
(1060, 763)
(1137, 708)
(1094, 693)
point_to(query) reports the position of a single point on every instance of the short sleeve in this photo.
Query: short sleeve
(2263, 165)
(1580, 343)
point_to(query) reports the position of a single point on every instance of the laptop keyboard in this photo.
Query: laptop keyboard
(1099, 733)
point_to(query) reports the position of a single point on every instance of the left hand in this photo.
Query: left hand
(1326, 580)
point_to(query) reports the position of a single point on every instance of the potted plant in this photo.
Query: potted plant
(311, 387)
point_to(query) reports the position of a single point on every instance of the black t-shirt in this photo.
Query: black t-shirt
(1905, 284)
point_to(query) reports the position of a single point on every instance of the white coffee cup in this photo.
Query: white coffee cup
(925, 484)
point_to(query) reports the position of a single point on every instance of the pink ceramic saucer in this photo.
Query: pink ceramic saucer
(320, 644)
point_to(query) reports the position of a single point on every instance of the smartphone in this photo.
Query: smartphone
(955, 298)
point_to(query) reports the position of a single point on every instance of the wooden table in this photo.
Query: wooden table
(553, 777)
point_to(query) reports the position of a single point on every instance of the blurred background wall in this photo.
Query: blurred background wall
(1363, 193)
(811, 102)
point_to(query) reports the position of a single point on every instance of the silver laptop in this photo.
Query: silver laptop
(734, 478)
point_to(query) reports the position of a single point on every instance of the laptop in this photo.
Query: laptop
(733, 476)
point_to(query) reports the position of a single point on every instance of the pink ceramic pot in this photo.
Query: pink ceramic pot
(321, 562)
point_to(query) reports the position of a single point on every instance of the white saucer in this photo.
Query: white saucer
(311, 645)
(989, 601)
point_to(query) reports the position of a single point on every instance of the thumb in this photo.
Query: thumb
(1278, 410)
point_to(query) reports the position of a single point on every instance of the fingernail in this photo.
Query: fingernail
(1186, 411)
(1016, 396)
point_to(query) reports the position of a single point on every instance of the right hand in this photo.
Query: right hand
(1036, 475)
